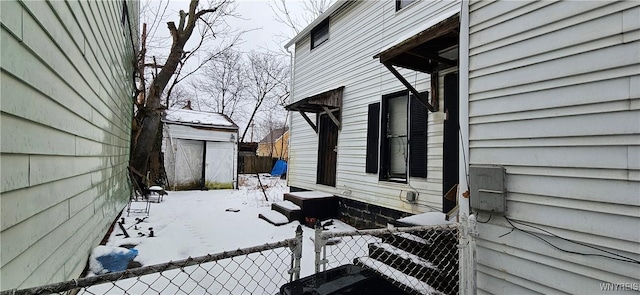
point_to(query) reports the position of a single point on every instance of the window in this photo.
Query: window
(373, 132)
(400, 4)
(125, 13)
(402, 137)
(320, 33)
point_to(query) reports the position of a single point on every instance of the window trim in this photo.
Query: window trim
(322, 26)
(400, 7)
(384, 155)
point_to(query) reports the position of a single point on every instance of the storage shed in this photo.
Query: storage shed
(200, 150)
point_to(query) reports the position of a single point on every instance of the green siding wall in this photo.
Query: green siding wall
(65, 127)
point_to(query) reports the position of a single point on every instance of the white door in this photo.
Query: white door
(219, 162)
(188, 169)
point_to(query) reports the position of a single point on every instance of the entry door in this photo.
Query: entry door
(327, 150)
(451, 138)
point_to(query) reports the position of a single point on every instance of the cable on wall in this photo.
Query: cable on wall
(617, 256)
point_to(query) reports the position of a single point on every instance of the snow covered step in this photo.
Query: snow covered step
(416, 266)
(314, 204)
(274, 217)
(288, 209)
(411, 243)
(404, 261)
(427, 218)
(404, 281)
(433, 244)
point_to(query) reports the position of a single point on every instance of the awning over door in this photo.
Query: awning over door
(325, 102)
(430, 48)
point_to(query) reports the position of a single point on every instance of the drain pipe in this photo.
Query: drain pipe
(290, 118)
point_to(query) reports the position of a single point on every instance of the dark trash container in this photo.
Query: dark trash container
(346, 279)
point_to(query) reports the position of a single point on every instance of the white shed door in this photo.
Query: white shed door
(189, 161)
(219, 162)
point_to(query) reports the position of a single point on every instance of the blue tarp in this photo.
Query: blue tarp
(117, 261)
(279, 168)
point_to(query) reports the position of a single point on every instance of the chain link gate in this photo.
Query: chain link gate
(418, 260)
(255, 270)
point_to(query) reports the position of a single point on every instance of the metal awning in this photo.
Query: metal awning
(326, 102)
(425, 51)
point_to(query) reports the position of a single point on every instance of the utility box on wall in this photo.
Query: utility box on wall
(486, 185)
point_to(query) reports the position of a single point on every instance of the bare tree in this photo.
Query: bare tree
(283, 14)
(267, 76)
(224, 83)
(181, 96)
(147, 129)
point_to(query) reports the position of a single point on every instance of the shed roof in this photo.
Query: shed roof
(198, 118)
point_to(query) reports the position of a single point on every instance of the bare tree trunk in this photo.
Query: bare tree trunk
(149, 114)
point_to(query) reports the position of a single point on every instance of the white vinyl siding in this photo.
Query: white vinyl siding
(554, 97)
(358, 32)
(65, 130)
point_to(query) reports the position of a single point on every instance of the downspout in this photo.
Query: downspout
(467, 242)
(291, 75)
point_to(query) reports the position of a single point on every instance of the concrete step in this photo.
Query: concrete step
(405, 282)
(288, 209)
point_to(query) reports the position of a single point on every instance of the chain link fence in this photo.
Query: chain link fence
(417, 260)
(256, 270)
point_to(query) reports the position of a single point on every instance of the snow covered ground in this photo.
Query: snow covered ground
(196, 223)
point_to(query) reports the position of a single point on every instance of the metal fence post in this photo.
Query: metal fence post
(463, 248)
(318, 243)
(473, 233)
(296, 256)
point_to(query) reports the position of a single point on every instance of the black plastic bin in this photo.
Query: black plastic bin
(345, 279)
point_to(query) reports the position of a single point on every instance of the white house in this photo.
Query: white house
(543, 99)
(550, 91)
(65, 133)
(200, 150)
(369, 139)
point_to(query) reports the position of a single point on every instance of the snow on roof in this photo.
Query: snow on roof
(199, 118)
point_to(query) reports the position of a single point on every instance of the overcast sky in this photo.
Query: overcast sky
(260, 16)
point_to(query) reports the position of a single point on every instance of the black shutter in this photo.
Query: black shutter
(418, 139)
(373, 131)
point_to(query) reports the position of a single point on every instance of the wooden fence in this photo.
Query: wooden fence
(254, 164)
